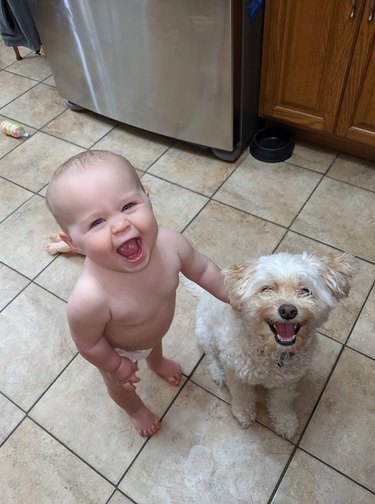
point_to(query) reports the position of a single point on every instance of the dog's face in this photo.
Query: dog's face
(283, 298)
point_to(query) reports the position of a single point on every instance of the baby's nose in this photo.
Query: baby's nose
(120, 225)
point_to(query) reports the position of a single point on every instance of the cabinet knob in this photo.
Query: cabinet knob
(352, 13)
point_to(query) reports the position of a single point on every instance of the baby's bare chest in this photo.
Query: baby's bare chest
(138, 299)
(141, 316)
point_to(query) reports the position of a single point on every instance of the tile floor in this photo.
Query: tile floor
(62, 439)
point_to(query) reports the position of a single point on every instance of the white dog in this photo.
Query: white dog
(265, 336)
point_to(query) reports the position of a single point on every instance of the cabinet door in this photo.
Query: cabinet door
(357, 114)
(308, 47)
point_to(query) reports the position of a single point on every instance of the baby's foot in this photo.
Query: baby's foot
(56, 245)
(168, 369)
(146, 423)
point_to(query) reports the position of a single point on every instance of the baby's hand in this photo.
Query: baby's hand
(125, 373)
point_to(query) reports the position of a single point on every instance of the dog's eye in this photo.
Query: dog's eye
(266, 288)
(304, 291)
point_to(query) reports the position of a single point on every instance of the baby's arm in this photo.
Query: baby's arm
(87, 317)
(201, 270)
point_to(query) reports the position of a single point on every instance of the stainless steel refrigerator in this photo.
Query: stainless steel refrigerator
(187, 69)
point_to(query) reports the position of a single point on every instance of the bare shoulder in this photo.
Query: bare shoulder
(87, 300)
(169, 234)
(173, 239)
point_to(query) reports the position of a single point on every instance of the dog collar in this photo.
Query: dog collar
(281, 358)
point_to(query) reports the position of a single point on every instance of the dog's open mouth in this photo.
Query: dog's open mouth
(285, 332)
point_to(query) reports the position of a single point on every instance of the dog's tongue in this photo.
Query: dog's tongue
(285, 331)
(129, 248)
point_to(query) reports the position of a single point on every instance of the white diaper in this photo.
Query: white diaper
(134, 355)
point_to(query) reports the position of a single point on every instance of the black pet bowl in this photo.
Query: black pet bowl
(272, 145)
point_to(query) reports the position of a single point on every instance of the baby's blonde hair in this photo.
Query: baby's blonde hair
(80, 163)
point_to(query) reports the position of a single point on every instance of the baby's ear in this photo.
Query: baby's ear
(236, 279)
(338, 272)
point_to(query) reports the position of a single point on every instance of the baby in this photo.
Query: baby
(124, 300)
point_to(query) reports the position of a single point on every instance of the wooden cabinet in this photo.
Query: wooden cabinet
(318, 66)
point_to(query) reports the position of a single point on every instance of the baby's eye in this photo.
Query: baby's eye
(96, 223)
(128, 206)
(304, 291)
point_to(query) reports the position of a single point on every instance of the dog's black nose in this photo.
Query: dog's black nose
(288, 311)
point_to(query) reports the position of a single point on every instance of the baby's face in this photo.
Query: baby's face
(109, 217)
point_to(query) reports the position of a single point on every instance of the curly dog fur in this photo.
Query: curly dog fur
(265, 335)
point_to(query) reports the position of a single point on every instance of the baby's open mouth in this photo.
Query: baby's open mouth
(132, 249)
(285, 332)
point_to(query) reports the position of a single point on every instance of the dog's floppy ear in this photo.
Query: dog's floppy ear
(236, 279)
(338, 272)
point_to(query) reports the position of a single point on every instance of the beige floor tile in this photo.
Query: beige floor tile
(343, 317)
(174, 206)
(228, 236)
(12, 196)
(312, 156)
(10, 417)
(342, 216)
(50, 81)
(7, 142)
(36, 107)
(202, 377)
(194, 168)
(139, 147)
(11, 283)
(201, 454)
(35, 344)
(36, 468)
(7, 55)
(23, 237)
(309, 481)
(33, 66)
(81, 128)
(206, 457)
(340, 432)
(33, 163)
(11, 87)
(355, 171)
(362, 337)
(118, 498)
(103, 434)
(61, 275)
(309, 388)
(274, 192)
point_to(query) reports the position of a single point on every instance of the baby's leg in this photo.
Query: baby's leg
(56, 246)
(168, 369)
(145, 422)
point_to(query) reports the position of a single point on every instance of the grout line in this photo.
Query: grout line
(283, 472)
(357, 483)
(71, 450)
(189, 378)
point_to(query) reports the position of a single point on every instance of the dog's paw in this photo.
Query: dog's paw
(244, 418)
(286, 425)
